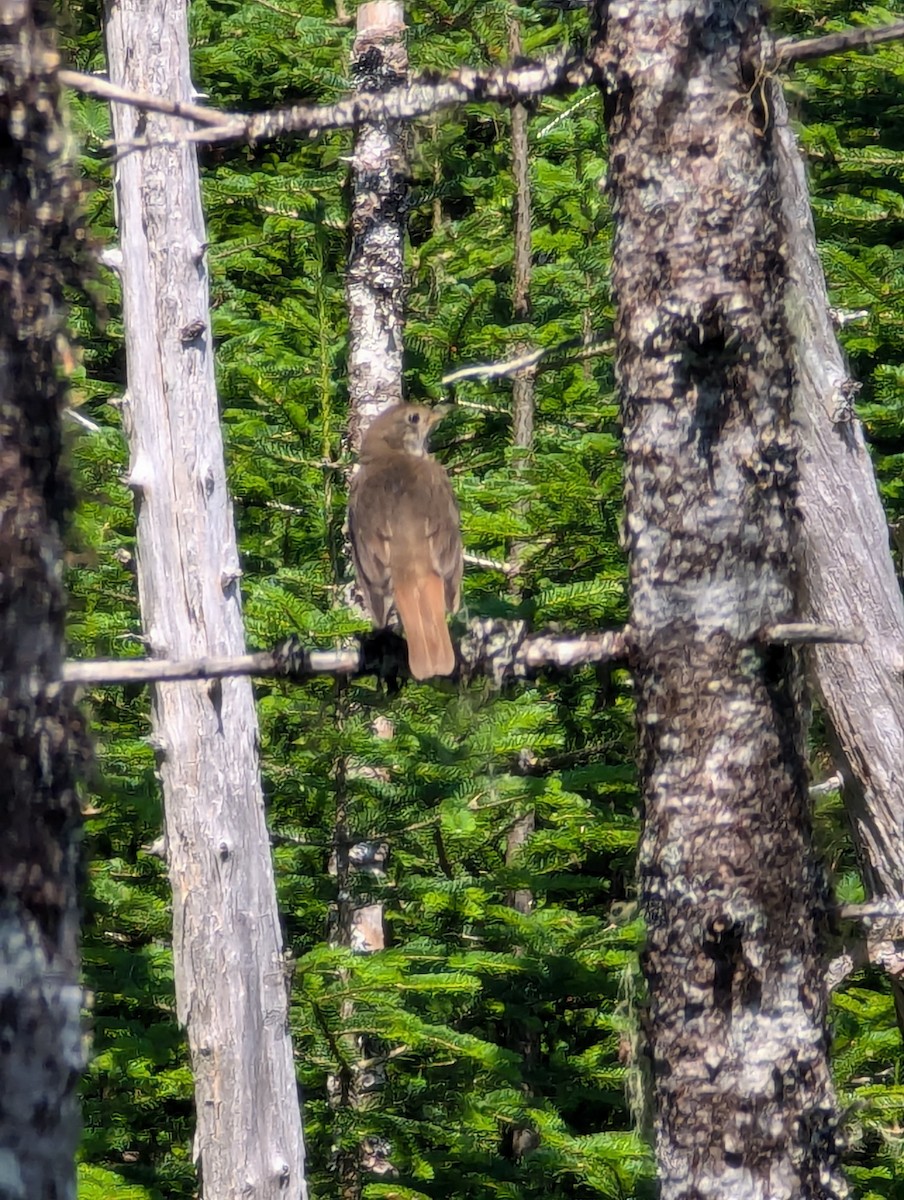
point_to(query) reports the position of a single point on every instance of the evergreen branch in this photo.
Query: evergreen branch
(789, 51)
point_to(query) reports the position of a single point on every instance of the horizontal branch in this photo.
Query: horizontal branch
(498, 649)
(789, 51)
(879, 909)
(558, 74)
(530, 360)
(808, 633)
(102, 89)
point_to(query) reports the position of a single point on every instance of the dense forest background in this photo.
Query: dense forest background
(468, 980)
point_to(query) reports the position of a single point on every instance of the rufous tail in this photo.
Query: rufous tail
(421, 605)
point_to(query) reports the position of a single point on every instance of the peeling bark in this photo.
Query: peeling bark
(729, 885)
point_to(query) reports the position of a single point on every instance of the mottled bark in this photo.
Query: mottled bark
(230, 975)
(729, 885)
(847, 573)
(41, 1043)
(375, 275)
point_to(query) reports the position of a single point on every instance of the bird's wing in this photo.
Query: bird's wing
(370, 532)
(444, 536)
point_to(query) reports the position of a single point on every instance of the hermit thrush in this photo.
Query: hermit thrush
(404, 527)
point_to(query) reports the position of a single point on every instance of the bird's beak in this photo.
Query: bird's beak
(437, 413)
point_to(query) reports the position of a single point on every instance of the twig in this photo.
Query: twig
(102, 89)
(524, 362)
(563, 116)
(790, 51)
(86, 423)
(489, 564)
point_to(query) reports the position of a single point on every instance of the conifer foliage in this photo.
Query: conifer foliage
(463, 966)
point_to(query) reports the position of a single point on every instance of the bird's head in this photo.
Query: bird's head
(404, 427)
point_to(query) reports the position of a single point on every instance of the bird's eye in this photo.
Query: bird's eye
(414, 418)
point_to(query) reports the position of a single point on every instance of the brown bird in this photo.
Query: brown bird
(404, 528)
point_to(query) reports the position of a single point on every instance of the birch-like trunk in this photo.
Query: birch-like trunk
(731, 892)
(41, 1043)
(231, 986)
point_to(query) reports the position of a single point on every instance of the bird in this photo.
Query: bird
(405, 533)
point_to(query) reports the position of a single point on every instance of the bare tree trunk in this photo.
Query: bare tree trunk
(231, 986)
(376, 268)
(375, 289)
(40, 998)
(729, 885)
(522, 1139)
(848, 578)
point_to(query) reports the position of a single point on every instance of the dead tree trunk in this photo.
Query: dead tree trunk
(41, 1049)
(848, 577)
(730, 889)
(231, 987)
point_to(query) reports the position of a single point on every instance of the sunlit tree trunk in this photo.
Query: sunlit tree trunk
(231, 985)
(731, 892)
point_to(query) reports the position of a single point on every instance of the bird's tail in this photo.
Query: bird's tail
(421, 605)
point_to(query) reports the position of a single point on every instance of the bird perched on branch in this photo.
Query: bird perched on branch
(406, 543)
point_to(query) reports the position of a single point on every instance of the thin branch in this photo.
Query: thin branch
(489, 564)
(102, 89)
(86, 423)
(789, 51)
(588, 346)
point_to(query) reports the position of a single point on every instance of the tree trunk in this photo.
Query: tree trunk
(521, 1139)
(729, 885)
(375, 290)
(376, 267)
(231, 986)
(847, 574)
(41, 1047)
